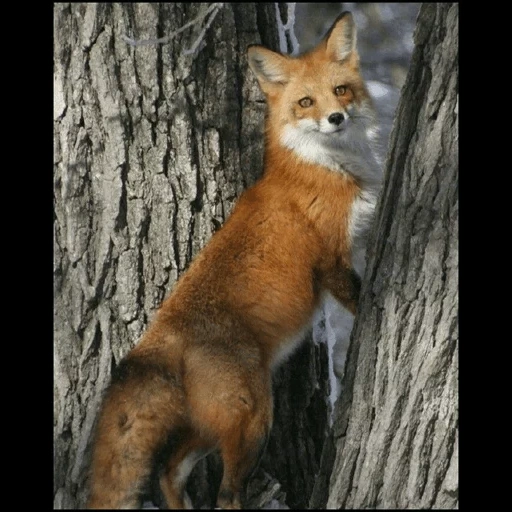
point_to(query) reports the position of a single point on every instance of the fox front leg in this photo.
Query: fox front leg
(345, 285)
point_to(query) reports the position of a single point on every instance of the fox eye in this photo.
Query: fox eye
(340, 90)
(306, 102)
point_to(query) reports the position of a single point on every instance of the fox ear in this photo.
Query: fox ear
(268, 66)
(341, 38)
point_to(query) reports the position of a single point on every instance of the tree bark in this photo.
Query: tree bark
(152, 149)
(396, 426)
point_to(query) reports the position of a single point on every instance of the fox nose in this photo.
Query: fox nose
(336, 118)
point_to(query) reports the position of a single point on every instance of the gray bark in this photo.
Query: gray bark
(152, 148)
(396, 427)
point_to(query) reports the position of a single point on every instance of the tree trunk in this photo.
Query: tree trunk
(396, 426)
(152, 149)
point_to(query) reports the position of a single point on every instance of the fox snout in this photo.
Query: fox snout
(336, 118)
(333, 122)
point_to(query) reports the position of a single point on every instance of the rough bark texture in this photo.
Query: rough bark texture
(152, 148)
(396, 426)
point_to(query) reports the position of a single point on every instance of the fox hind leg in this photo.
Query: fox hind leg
(234, 411)
(242, 442)
(241, 457)
(184, 457)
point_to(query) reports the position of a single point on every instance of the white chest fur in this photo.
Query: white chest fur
(352, 151)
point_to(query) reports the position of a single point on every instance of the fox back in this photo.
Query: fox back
(200, 377)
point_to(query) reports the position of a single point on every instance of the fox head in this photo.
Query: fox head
(317, 102)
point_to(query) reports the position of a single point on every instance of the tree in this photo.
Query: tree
(395, 438)
(152, 147)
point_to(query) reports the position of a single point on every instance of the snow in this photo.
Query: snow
(330, 337)
(333, 325)
(378, 90)
(338, 327)
(387, 13)
(59, 100)
(275, 505)
(289, 27)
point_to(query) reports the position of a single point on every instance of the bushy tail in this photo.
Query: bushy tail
(142, 407)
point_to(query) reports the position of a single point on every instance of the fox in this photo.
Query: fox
(200, 378)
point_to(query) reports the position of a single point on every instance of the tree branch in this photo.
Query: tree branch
(213, 8)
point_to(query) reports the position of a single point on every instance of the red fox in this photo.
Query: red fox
(200, 377)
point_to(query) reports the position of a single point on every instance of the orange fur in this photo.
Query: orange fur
(200, 378)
